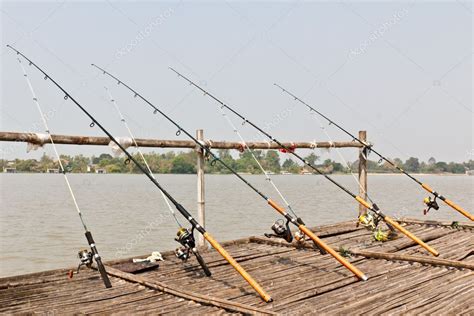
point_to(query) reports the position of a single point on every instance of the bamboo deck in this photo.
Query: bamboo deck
(300, 280)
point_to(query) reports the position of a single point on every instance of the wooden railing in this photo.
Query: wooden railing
(159, 143)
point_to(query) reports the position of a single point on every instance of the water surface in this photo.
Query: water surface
(40, 228)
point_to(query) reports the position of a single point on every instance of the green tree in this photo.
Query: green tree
(272, 161)
(46, 163)
(412, 164)
(28, 165)
(291, 166)
(182, 165)
(246, 163)
(441, 166)
(312, 158)
(456, 168)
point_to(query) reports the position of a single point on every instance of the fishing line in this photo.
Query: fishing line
(283, 232)
(85, 256)
(185, 237)
(122, 118)
(428, 201)
(372, 207)
(43, 118)
(267, 176)
(323, 128)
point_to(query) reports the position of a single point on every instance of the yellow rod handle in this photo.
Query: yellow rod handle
(400, 228)
(410, 235)
(427, 188)
(459, 209)
(333, 253)
(267, 298)
(278, 208)
(451, 203)
(363, 202)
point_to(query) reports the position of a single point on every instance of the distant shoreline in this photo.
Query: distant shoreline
(256, 174)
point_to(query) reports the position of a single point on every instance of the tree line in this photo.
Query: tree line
(185, 163)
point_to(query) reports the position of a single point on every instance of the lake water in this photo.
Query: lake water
(40, 228)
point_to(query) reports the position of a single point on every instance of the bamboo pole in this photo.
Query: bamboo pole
(375, 255)
(159, 143)
(411, 258)
(196, 297)
(200, 186)
(363, 172)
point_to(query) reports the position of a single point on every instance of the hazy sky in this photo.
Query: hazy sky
(402, 71)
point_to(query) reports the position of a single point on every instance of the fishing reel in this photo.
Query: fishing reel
(430, 203)
(85, 256)
(281, 230)
(369, 221)
(186, 238)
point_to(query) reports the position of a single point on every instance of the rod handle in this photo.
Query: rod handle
(277, 207)
(102, 271)
(363, 202)
(459, 209)
(395, 224)
(333, 253)
(267, 298)
(97, 258)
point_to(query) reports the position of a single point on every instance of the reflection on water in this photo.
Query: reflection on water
(40, 228)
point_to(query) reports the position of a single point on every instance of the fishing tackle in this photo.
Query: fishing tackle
(423, 185)
(273, 204)
(178, 206)
(369, 221)
(186, 238)
(94, 253)
(281, 230)
(85, 256)
(361, 201)
(430, 203)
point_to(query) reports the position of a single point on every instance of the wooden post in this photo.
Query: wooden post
(362, 171)
(200, 187)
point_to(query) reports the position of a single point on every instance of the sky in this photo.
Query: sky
(400, 70)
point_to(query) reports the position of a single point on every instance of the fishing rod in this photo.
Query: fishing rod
(429, 202)
(378, 235)
(86, 257)
(184, 237)
(372, 207)
(178, 206)
(282, 230)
